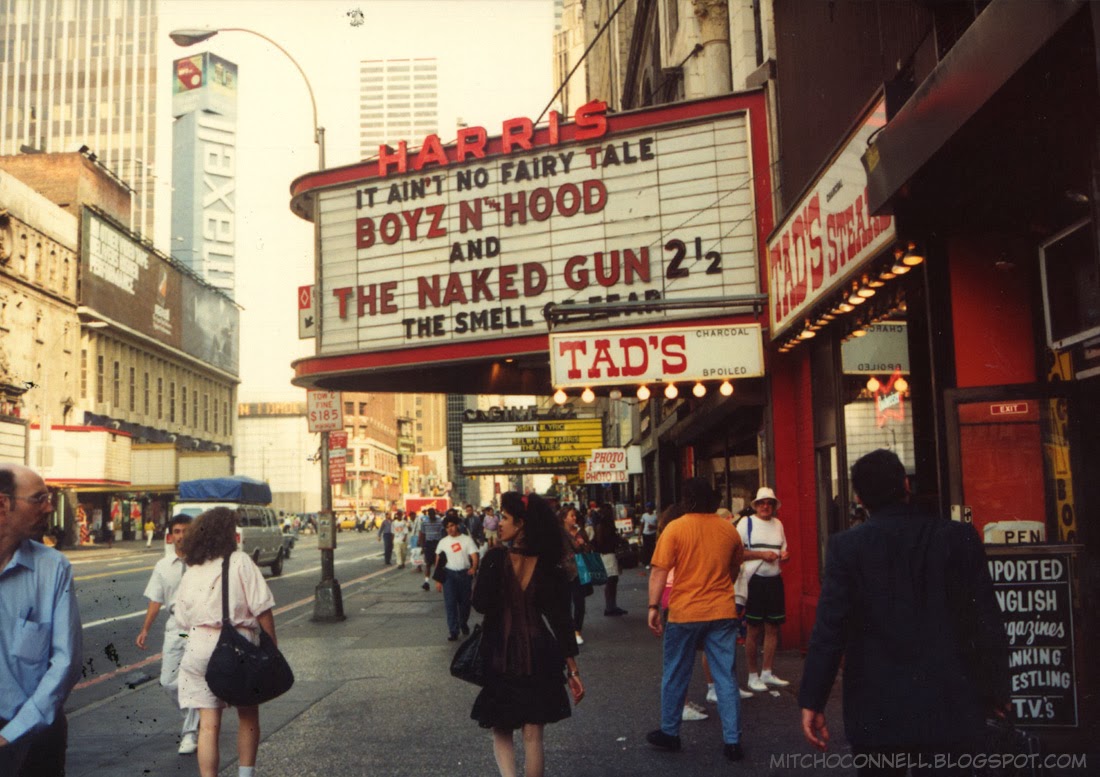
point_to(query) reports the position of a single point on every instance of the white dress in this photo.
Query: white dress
(199, 611)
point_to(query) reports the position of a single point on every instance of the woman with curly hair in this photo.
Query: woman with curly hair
(523, 592)
(213, 537)
(576, 542)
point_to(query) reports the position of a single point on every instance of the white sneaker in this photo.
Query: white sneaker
(756, 684)
(712, 695)
(188, 744)
(770, 679)
(580, 639)
(745, 694)
(692, 711)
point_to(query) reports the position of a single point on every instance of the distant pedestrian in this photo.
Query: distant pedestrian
(458, 553)
(161, 593)
(490, 523)
(385, 533)
(706, 553)
(473, 524)
(212, 537)
(649, 533)
(605, 540)
(529, 643)
(765, 608)
(40, 635)
(907, 604)
(578, 543)
(428, 537)
(400, 528)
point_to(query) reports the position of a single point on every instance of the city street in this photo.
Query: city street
(373, 694)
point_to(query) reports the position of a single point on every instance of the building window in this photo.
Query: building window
(349, 408)
(183, 405)
(225, 418)
(133, 389)
(172, 402)
(195, 408)
(160, 398)
(99, 378)
(84, 373)
(116, 385)
(215, 415)
(206, 412)
(145, 393)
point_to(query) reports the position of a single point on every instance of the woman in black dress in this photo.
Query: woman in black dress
(521, 588)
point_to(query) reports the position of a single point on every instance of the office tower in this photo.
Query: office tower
(398, 100)
(81, 75)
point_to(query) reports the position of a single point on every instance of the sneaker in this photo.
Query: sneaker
(756, 684)
(452, 638)
(712, 695)
(745, 694)
(188, 744)
(769, 679)
(425, 586)
(660, 739)
(733, 752)
(580, 639)
(692, 711)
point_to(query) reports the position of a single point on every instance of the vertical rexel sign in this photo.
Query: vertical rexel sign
(828, 235)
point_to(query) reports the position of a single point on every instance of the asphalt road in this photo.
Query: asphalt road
(112, 607)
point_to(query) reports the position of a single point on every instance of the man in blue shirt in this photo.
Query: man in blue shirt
(40, 637)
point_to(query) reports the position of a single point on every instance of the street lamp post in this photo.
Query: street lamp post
(328, 603)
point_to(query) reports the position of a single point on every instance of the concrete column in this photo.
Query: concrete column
(708, 73)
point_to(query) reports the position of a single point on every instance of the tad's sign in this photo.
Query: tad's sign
(606, 465)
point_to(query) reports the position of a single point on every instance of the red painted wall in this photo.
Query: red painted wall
(992, 311)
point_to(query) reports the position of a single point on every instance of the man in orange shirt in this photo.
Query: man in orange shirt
(706, 552)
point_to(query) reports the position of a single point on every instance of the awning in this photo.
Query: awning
(999, 42)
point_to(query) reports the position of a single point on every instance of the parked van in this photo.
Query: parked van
(258, 530)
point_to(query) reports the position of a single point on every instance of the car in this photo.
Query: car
(258, 530)
(346, 522)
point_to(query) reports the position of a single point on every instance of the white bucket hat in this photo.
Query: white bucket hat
(766, 493)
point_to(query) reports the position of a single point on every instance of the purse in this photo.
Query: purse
(590, 569)
(626, 554)
(240, 673)
(439, 574)
(468, 663)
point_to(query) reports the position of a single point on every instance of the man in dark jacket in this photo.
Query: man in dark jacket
(908, 603)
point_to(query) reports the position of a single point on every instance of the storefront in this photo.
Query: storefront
(976, 363)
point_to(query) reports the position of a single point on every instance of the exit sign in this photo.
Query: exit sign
(1008, 408)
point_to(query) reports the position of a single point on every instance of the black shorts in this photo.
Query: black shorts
(429, 552)
(765, 603)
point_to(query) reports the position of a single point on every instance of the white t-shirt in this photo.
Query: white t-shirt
(458, 550)
(766, 535)
(649, 523)
(199, 598)
(400, 529)
(163, 584)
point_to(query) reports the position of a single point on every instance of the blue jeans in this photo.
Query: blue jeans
(456, 599)
(719, 640)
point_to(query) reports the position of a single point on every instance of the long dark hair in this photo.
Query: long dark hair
(213, 535)
(541, 535)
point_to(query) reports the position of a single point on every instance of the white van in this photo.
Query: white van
(258, 531)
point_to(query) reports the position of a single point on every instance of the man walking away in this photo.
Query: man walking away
(385, 533)
(431, 532)
(40, 636)
(907, 603)
(161, 593)
(649, 533)
(706, 553)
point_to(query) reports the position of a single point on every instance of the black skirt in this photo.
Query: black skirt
(510, 701)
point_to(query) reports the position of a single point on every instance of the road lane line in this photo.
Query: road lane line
(115, 573)
(100, 622)
(151, 659)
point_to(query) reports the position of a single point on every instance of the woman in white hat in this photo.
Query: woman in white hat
(765, 550)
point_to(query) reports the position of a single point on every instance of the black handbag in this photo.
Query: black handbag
(240, 673)
(469, 663)
(439, 574)
(626, 554)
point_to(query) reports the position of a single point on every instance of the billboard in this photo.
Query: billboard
(133, 285)
(449, 247)
(542, 444)
(204, 82)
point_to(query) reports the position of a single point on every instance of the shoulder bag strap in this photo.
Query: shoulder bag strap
(749, 519)
(225, 590)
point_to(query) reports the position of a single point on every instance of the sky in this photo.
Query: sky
(494, 61)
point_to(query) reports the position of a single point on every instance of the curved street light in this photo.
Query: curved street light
(187, 37)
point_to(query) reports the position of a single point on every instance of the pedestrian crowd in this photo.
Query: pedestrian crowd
(923, 646)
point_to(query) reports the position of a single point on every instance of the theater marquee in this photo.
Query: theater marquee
(463, 246)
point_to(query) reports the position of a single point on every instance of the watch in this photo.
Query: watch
(654, 606)
(573, 674)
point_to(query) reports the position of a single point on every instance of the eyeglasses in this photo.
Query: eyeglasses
(37, 499)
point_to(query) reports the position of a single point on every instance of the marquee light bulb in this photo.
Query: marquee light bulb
(588, 395)
(872, 384)
(726, 389)
(560, 397)
(671, 392)
(615, 394)
(699, 390)
(643, 393)
(902, 385)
